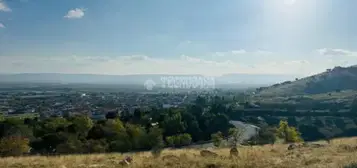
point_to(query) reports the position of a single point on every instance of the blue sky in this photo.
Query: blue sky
(182, 37)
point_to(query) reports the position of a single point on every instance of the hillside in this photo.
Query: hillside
(340, 153)
(332, 80)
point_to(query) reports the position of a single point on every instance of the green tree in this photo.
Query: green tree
(95, 146)
(266, 135)
(192, 126)
(72, 145)
(138, 136)
(121, 142)
(170, 140)
(82, 124)
(115, 125)
(155, 140)
(185, 139)
(235, 135)
(49, 142)
(288, 134)
(172, 123)
(217, 139)
(114, 130)
(52, 125)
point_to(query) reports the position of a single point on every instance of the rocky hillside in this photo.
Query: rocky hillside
(332, 80)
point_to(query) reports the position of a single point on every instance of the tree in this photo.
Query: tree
(217, 139)
(50, 141)
(170, 141)
(288, 134)
(218, 122)
(266, 135)
(138, 136)
(113, 127)
(14, 146)
(172, 123)
(235, 135)
(185, 139)
(70, 146)
(122, 145)
(192, 126)
(155, 140)
(120, 142)
(179, 140)
(96, 132)
(82, 124)
(52, 125)
(155, 137)
(95, 146)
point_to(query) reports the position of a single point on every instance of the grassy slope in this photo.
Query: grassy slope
(277, 156)
(329, 81)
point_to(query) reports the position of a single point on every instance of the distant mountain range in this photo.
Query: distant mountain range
(227, 80)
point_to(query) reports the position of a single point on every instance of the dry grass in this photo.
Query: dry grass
(338, 153)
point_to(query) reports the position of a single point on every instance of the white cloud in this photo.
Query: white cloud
(2, 25)
(135, 58)
(75, 13)
(4, 7)
(184, 64)
(336, 52)
(242, 52)
(141, 64)
(239, 52)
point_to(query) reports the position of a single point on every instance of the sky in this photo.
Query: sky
(206, 37)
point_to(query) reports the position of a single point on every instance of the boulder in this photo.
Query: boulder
(292, 146)
(207, 153)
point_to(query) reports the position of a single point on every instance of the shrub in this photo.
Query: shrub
(236, 135)
(288, 134)
(179, 140)
(217, 139)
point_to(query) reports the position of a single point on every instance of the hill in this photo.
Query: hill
(340, 153)
(332, 80)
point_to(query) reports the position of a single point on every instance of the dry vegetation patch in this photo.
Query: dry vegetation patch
(339, 153)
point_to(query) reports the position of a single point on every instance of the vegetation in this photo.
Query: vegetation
(217, 139)
(335, 80)
(138, 131)
(340, 153)
(236, 136)
(287, 133)
(179, 140)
